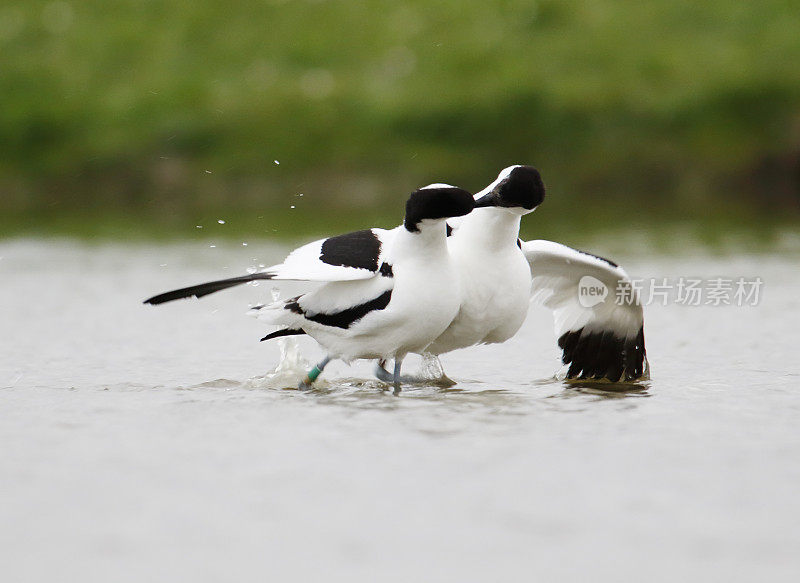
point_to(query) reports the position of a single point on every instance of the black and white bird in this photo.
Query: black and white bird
(387, 292)
(500, 275)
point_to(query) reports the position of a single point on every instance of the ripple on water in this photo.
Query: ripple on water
(161, 427)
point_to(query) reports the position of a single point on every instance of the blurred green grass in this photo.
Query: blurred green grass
(152, 116)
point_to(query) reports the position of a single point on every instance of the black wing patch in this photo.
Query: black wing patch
(284, 332)
(345, 318)
(603, 355)
(360, 249)
(204, 289)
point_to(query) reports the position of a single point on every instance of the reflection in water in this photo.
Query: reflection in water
(606, 389)
(370, 393)
(470, 401)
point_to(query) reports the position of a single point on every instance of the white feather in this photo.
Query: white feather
(424, 301)
(557, 271)
(304, 263)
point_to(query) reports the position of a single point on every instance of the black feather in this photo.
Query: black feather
(344, 318)
(603, 259)
(602, 354)
(523, 187)
(284, 332)
(360, 249)
(436, 203)
(386, 270)
(203, 289)
(588, 353)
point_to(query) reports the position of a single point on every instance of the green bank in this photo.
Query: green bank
(154, 115)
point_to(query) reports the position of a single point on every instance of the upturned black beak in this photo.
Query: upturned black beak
(487, 200)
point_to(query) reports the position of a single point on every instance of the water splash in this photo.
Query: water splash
(431, 367)
(431, 370)
(291, 368)
(430, 373)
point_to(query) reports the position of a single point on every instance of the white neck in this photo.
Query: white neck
(431, 237)
(490, 228)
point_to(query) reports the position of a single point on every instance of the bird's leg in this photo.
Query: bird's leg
(398, 363)
(381, 373)
(384, 375)
(312, 375)
(430, 363)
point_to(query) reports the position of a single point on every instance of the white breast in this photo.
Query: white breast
(495, 284)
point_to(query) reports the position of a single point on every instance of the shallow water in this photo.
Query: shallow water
(140, 443)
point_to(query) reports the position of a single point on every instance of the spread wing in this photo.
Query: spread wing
(598, 314)
(350, 257)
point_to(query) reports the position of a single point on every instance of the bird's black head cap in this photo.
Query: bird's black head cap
(515, 187)
(438, 201)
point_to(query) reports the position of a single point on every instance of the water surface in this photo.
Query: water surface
(140, 443)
